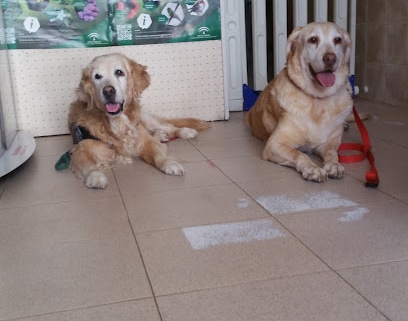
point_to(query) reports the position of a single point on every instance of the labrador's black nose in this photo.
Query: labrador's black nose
(329, 59)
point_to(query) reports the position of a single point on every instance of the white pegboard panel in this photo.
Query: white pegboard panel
(186, 81)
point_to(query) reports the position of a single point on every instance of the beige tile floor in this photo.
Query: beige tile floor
(236, 238)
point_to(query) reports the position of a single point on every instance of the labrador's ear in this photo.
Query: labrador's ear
(140, 79)
(346, 47)
(85, 91)
(293, 41)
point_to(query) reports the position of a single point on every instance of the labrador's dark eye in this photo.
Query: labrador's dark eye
(119, 73)
(313, 40)
(98, 76)
(337, 40)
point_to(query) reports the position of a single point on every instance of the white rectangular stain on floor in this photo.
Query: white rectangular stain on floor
(201, 237)
(282, 204)
(354, 215)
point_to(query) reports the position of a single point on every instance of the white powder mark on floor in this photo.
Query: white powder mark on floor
(243, 203)
(281, 204)
(201, 237)
(396, 123)
(354, 215)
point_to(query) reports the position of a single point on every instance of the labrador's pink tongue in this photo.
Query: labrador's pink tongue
(112, 108)
(326, 78)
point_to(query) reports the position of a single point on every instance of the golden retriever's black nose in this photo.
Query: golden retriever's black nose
(329, 59)
(109, 93)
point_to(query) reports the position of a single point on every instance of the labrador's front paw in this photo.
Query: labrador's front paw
(334, 170)
(314, 173)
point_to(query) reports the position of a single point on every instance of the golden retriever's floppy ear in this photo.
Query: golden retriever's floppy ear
(293, 41)
(140, 79)
(85, 91)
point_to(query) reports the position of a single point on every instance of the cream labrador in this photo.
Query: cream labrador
(303, 110)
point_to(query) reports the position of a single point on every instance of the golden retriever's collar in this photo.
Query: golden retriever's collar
(80, 133)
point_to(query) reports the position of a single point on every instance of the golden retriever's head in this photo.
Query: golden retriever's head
(112, 82)
(318, 58)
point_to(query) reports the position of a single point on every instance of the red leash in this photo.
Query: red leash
(372, 179)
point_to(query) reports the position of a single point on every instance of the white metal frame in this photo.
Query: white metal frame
(300, 12)
(340, 13)
(259, 42)
(320, 10)
(352, 31)
(280, 34)
(234, 53)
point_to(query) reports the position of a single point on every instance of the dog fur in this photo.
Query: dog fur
(304, 108)
(108, 107)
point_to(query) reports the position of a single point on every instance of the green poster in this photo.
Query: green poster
(37, 24)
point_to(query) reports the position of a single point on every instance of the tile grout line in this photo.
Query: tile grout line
(74, 309)
(330, 268)
(139, 250)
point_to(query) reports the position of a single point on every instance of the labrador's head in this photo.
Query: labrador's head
(318, 58)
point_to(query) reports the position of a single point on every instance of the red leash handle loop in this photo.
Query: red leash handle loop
(354, 158)
(364, 150)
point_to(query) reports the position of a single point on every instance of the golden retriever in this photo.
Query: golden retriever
(109, 127)
(304, 108)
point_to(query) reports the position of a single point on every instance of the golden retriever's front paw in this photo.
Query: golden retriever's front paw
(188, 133)
(334, 170)
(96, 180)
(314, 173)
(162, 135)
(172, 167)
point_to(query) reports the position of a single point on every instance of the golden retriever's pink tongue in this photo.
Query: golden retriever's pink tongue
(326, 78)
(112, 108)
